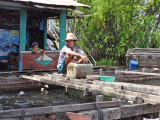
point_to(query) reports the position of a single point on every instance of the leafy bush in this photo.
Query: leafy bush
(117, 25)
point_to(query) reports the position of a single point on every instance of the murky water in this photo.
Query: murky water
(14, 100)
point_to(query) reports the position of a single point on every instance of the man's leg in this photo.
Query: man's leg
(68, 59)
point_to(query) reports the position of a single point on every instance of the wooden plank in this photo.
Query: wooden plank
(146, 97)
(114, 92)
(109, 114)
(58, 109)
(45, 33)
(148, 89)
(23, 26)
(138, 109)
(62, 28)
(93, 77)
(140, 73)
(92, 88)
(124, 111)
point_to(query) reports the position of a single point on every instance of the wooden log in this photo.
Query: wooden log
(93, 77)
(138, 109)
(148, 89)
(140, 73)
(109, 114)
(58, 109)
(125, 111)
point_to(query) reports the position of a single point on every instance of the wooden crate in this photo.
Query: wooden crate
(146, 57)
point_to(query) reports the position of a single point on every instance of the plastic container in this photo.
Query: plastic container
(107, 78)
(133, 65)
(79, 70)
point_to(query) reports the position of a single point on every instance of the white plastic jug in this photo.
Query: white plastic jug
(79, 70)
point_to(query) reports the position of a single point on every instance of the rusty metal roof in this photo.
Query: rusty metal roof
(65, 3)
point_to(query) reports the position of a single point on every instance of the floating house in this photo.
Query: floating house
(23, 22)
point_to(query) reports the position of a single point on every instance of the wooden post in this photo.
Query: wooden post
(62, 29)
(101, 71)
(99, 98)
(139, 100)
(45, 33)
(23, 24)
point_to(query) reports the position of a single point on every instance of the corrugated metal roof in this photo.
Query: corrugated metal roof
(65, 3)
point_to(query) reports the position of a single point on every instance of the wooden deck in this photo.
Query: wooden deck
(146, 100)
(129, 91)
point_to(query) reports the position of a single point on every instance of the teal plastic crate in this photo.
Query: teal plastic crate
(107, 78)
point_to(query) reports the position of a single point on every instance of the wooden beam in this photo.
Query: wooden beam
(23, 26)
(58, 109)
(148, 89)
(105, 90)
(62, 29)
(140, 73)
(108, 114)
(45, 33)
(125, 111)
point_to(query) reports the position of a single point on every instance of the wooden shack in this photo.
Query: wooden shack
(23, 22)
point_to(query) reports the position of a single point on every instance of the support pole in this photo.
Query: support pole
(62, 29)
(45, 33)
(23, 24)
(99, 98)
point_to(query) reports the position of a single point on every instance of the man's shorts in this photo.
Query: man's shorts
(62, 68)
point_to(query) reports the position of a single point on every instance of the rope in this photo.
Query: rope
(100, 112)
(23, 114)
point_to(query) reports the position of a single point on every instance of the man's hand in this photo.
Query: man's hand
(85, 58)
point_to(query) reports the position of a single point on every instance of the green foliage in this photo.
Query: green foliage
(117, 25)
(106, 61)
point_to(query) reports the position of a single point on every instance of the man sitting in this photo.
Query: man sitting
(70, 53)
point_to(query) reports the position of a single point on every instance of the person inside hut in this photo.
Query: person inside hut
(13, 60)
(50, 45)
(13, 57)
(34, 48)
(70, 53)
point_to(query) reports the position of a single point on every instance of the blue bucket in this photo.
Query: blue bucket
(133, 65)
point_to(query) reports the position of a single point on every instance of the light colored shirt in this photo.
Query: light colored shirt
(65, 50)
(50, 45)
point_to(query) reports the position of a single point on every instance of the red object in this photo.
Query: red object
(29, 60)
(76, 116)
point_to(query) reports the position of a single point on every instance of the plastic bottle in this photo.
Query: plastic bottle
(79, 70)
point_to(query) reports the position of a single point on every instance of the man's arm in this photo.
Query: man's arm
(83, 56)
